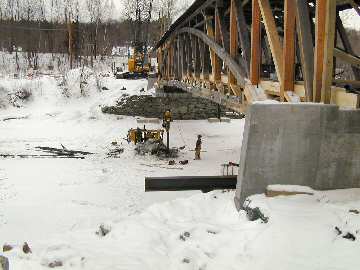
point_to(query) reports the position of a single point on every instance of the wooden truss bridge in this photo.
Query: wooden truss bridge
(237, 52)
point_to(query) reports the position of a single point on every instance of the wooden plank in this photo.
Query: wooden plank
(197, 63)
(287, 83)
(255, 44)
(306, 46)
(346, 43)
(233, 37)
(354, 83)
(179, 60)
(206, 61)
(273, 36)
(220, 52)
(184, 60)
(224, 33)
(188, 56)
(243, 34)
(320, 21)
(273, 88)
(235, 89)
(210, 33)
(347, 57)
(341, 98)
(218, 64)
(328, 63)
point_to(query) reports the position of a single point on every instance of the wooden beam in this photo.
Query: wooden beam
(188, 55)
(197, 60)
(255, 44)
(233, 37)
(306, 46)
(184, 57)
(287, 83)
(320, 20)
(229, 62)
(244, 36)
(210, 33)
(206, 61)
(328, 63)
(224, 33)
(347, 57)
(273, 36)
(346, 43)
(218, 64)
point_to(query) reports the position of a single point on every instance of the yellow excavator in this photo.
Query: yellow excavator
(139, 64)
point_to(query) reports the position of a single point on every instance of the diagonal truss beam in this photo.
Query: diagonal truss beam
(234, 67)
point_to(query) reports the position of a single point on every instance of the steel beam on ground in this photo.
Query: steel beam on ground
(182, 183)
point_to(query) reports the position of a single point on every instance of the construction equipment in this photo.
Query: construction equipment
(138, 135)
(167, 119)
(139, 64)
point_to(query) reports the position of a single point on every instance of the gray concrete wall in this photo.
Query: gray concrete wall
(299, 144)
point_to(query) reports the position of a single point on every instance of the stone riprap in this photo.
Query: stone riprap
(182, 106)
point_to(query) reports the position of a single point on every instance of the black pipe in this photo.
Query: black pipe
(182, 183)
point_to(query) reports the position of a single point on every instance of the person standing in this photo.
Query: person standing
(198, 148)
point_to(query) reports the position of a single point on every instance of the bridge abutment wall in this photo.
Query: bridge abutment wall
(315, 145)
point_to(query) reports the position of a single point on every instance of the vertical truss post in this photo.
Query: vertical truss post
(188, 56)
(287, 82)
(233, 38)
(306, 46)
(206, 61)
(255, 44)
(197, 60)
(328, 63)
(184, 56)
(179, 60)
(243, 34)
(210, 33)
(171, 60)
(218, 63)
(159, 62)
(320, 20)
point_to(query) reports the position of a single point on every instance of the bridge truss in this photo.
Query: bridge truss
(241, 51)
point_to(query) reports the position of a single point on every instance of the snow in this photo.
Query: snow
(45, 202)
(57, 205)
(290, 188)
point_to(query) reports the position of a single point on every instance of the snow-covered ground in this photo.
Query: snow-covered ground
(44, 199)
(57, 205)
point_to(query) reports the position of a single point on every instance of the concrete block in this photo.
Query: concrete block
(213, 120)
(313, 145)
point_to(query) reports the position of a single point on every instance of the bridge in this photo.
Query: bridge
(242, 52)
(237, 52)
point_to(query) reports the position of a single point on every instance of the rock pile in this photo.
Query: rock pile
(183, 107)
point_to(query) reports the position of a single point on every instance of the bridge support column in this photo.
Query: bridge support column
(314, 145)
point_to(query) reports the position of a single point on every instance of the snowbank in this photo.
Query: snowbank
(206, 232)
